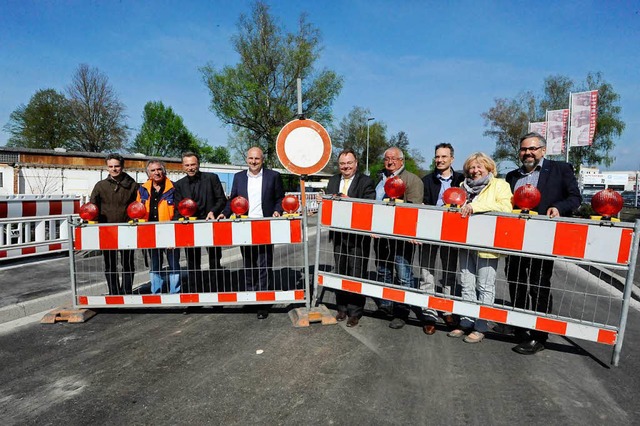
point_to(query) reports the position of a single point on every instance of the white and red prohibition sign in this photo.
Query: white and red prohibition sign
(303, 147)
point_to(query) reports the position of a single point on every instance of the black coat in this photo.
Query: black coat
(205, 189)
(557, 185)
(361, 187)
(432, 186)
(272, 191)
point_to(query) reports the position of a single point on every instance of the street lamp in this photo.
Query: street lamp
(367, 170)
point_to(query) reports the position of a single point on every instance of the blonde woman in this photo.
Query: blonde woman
(485, 193)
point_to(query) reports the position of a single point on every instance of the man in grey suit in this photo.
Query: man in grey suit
(351, 251)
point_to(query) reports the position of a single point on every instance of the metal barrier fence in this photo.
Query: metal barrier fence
(35, 224)
(311, 202)
(583, 306)
(227, 262)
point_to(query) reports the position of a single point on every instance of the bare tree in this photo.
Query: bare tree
(99, 114)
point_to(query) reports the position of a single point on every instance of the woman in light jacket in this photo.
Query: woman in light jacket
(485, 193)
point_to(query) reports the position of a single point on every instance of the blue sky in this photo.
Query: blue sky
(429, 68)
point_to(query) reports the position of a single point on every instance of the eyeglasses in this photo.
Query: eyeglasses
(531, 148)
(393, 158)
(348, 163)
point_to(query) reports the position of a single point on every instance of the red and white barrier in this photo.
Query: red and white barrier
(580, 239)
(490, 313)
(249, 297)
(188, 234)
(18, 206)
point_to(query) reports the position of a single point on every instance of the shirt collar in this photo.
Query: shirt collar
(252, 176)
(537, 168)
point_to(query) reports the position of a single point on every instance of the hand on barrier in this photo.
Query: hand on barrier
(553, 212)
(466, 210)
(276, 214)
(221, 216)
(210, 216)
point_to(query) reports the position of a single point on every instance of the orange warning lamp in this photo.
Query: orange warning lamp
(136, 210)
(526, 197)
(454, 196)
(187, 207)
(607, 203)
(290, 204)
(395, 187)
(89, 212)
(239, 205)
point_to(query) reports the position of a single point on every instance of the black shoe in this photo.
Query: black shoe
(529, 347)
(341, 316)
(396, 323)
(352, 321)
(262, 314)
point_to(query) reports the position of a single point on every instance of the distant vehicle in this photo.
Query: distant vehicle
(629, 198)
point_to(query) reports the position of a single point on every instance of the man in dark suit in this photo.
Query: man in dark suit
(264, 189)
(206, 190)
(530, 279)
(351, 252)
(435, 183)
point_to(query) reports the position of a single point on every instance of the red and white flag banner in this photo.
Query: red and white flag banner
(557, 131)
(539, 127)
(584, 113)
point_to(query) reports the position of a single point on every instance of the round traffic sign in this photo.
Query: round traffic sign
(303, 147)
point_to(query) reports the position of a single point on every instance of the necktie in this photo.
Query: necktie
(345, 186)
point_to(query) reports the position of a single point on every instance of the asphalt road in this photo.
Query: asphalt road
(223, 366)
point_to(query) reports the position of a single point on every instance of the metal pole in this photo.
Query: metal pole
(305, 241)
(317, 257)
(299, 84)
(367, 170)
(569, 128)
(72, 261)
(628, 285)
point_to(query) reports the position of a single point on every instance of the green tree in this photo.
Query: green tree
(413, 157)
(216, 155)
(46, 122)
(351, 133)
(163, 133)
(508, 118)
(100, 121)
(258, 95)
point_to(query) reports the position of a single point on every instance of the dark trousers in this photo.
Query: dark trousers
(194, 265)
(530, 286)
(394, 259)
(257, 261)
(351, 253)
(111, 270)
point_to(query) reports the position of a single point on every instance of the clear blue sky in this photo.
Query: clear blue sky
(429, 68)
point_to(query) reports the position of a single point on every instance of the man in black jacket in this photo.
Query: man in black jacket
(530, 279)
(351, 251)
(206, 190)
(435, 183)
(112, 196)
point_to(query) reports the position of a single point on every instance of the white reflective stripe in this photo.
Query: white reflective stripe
(280, 231)
(429, 224)
(208, 297)
(14, 210)
(341, 214)
(283, 296)
(43, 208)
(582, 331)
(249, 296)
(14, 252)
(133, 299)
(67, 207)
(165, 235)
(202, 234)
(90, 238)
(383, 218)
(466, 309)
(170, 298)
(521, 319)
(481, 230)
(127, 237)
(415, 299)
(539, 237)
(603, 244)
(241, 233)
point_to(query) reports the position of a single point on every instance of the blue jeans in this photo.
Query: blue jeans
(395, 256)
(478, 279)
(173, 259)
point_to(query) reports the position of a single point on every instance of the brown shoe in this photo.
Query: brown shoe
(429, 329)
(341, 316)
(352, 321)
(449, 320)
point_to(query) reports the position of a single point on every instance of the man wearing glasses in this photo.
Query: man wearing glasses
(530, 279)
(397, 255)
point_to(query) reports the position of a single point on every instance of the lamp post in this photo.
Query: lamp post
(367, 170)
